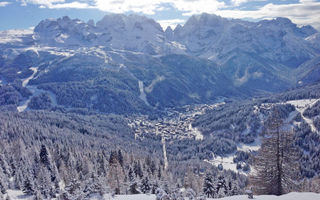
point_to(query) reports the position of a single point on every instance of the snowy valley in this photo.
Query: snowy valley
(122, 109)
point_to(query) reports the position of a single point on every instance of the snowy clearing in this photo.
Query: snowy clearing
(226, 162)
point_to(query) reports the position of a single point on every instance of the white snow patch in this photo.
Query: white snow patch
(36, 92)
(301, 105)
(17, 194)
(34, 49)
(26, 80)
(163, 140)
(153, 83)
(23, 106)
(194, 131)
(226, 162)
(178, 45)
(290, 196)
(143, 95)
(255, 146)
(12, 36)
(134, 197)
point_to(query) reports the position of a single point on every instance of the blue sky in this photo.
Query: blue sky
(22, 14)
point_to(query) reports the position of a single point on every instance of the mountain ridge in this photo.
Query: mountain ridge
(119, 54)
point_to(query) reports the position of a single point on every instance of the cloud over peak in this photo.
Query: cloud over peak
(306, 12)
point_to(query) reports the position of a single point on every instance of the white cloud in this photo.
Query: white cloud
(41, 2)
(4, 3)
(189, 7)
(170, 22)
(240, 2)
(300, 13)
(55, 4)
(77, 5)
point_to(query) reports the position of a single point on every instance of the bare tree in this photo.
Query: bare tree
(276, 164)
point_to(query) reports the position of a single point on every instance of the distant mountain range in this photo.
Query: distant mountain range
(129, 64)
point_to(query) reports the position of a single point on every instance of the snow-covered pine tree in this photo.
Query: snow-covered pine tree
(276, 162)
(208, 186)
(159, 175)
(120, 158)
(153, 167)
(145, 187)
(73, 190)
(161, 195)
(44, 184)
(138, 170)
(176, 194)
(222, 188)
(190, 194)
(133, 188)
(131, 175)
(235, 189)
(28, 187)
(18, 179)
(44, 156)
(154, 187)
(3, 189)
(93, 186)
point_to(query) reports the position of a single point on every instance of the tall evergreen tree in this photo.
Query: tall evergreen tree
(44, 156)
(120, 158)
(208, 186)
(2, 188)
(222, 188)
(276, 163)
(113, 157)
(145, 187)
(131, 175)
(28, 187)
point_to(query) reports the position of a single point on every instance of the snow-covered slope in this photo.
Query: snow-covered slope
(290, 196)
(16, 37)
(17, 195)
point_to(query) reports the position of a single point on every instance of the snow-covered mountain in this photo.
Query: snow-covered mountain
(133, 33)
(250, 53)
(279, 40)
(135, 60)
